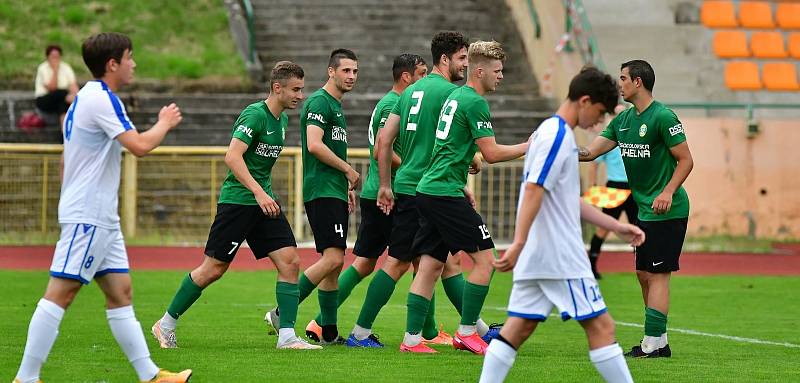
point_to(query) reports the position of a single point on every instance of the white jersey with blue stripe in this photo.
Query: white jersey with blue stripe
(92, 157)
(554, 249)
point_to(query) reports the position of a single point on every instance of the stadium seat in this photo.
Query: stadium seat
(780, 76)
(731, 44)
(742, 75)
(788, 15)
(767, 45)
(756, 14)
(718, 14)
(794, 44)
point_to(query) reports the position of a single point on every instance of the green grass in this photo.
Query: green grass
(171, 40)
(223, 337)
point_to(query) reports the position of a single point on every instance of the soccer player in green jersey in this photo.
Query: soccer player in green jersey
(248, 210)
(657, 161)
(448, 221)
(328, 183)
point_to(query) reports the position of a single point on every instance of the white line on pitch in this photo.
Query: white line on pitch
(729, 337)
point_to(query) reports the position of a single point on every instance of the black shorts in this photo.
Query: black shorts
(449, 224)
(374, 230)
(661, 250)
(54, 102)
(405, 225)
(235, 223)
(629, 206)
(328, 220)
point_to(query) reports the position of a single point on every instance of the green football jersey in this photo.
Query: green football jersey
(376, 121)
(418, 108)
(264, 135)
(319, 179)
(644, 141)
(464, 118)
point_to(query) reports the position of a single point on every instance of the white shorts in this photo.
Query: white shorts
(579, 299)
(87, 251)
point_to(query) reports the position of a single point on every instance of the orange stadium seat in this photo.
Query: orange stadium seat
(788, 15)
(742, 75)
(731, 44)
(767, 45)
(794, 44)
(780, 76)
(756, 14)
(718, 14)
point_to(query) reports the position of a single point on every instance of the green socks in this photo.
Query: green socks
(655, 322)
(417, 310)
(305, 286)
(187, 294)
(348, 279)
(378, 293)
(474, 296)
(327, 307)
(454, 288)
(429, 330)
(288, 295)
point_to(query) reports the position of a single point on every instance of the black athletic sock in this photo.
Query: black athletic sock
(330, 332)
(596, 244)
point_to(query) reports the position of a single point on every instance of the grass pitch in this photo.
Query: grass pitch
(224, 339)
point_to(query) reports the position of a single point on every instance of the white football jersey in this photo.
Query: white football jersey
(554, 249)
(92, 157)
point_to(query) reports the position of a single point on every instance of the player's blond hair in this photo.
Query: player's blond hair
(483, 51)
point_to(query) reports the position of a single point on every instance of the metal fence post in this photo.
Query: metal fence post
(129, 188)
(45, 171)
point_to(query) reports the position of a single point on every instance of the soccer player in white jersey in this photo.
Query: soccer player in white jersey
(548, 255)
(91, 245)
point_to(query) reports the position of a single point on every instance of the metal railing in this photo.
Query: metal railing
(580, 30)
(170, 195)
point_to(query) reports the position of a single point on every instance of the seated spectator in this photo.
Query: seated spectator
(55, 85)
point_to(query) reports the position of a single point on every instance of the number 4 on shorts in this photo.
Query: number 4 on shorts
(339, 228)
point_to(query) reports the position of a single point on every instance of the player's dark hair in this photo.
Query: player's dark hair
(338, 54)
(599, 86)
(642, 70)
(406, 62)
(284, 70)
(52, 47)
(100, 48)
(447, 43)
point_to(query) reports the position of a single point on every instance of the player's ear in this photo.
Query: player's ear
(331, 71)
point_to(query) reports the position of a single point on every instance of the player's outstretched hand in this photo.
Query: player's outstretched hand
(351, 201)
(630, 233)
(352, 178)
(662, 203)
(385, 200)
(267, 204)
(509, 258)
(170, 115)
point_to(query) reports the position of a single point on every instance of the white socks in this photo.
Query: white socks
(650, 343)
(361, 333)
(498, 360)
(42, 333)
(285, 335)
(412, 340)
(610, 363)
(128, 333)
(466, 330)
(482, 327)
(168, 322)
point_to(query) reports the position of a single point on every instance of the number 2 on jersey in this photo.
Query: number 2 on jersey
(417, 97)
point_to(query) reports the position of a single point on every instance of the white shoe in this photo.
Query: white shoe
(274, 321)
(165, 337)
(296, 343)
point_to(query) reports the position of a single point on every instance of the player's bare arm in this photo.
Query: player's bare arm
(234, 158)
(493, 152)
(141, 144)
(386, 136)
(396, 161)
(531, 202)
(681, 153)
(599, 146)
(323, 153)
(627, 232)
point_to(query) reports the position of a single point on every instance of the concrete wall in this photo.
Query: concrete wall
(741, 185)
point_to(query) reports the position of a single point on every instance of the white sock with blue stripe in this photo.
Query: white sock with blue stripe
(128, 333)
(498, 360)
(610, 363)
(42, 333)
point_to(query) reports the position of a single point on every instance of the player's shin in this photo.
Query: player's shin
(129, 336)
(42, 333)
